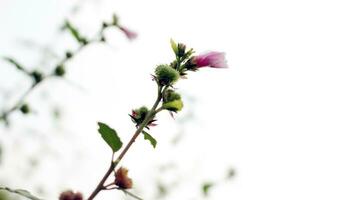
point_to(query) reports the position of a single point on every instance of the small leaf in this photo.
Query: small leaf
(110, 136)
(73, 31)
(206, 187)
(174, 46)
(15, 63)
(149, 137)
(21, 192)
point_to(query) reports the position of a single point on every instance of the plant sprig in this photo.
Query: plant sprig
(165, 76)
(59, 69)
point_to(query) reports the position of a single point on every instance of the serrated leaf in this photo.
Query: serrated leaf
(15, 63)
(110, 136)
(174, 46)
(149, 137)
(21, 192)
(73, 31)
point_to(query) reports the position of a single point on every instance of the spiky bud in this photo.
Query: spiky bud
(166, 75)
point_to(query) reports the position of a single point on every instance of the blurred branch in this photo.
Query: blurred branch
(59, 67)
(20, 192)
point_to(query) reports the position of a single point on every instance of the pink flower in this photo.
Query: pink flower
(129, 34)
(211, 59)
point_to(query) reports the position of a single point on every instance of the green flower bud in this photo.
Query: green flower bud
(138, 115)
(166, 75)
(181, 50)
(59, 71)
(174, 106)
(25, 109)
(170, 95)
(37, 76)
(105, 25)
(102, 39)
(69, 54)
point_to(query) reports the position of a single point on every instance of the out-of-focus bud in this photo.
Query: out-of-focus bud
(37, 76)
(25, 109)
(181, 50)
(170, 95)
(102, 39)
(166, 75)
(121, 178)
(59, 71)
(69, 54)
(70, 195)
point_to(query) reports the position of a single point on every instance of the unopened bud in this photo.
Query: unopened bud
(25, 109)
(59, 71)
(181, 49)
(69, 54)
(166, 75)
(37, 76)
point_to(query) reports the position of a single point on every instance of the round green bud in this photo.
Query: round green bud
(59, 71)
(138, 115)
(69, 54)
(25, 109)
(37, 76)
(174, 106)
(171, 95)
(166, 75)
(181, 50)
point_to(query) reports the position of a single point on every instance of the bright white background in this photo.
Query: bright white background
(283, 113)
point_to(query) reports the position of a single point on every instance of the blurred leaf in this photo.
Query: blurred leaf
(21, 192)
(149, 137)
(110, 136)
(206, 188)
(74, 31)
(115, 19)
(174, 46)
(15, 63)
(230, 174)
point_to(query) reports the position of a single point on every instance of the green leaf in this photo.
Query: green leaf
(15, 63)
(206, 187)
(73, 31)
(174, 46)
(149, 137)
(110, 136)
(21, 192)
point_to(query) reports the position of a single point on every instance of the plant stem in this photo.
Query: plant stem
(148, 118)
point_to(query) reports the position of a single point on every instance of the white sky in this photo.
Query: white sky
(283, 113)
